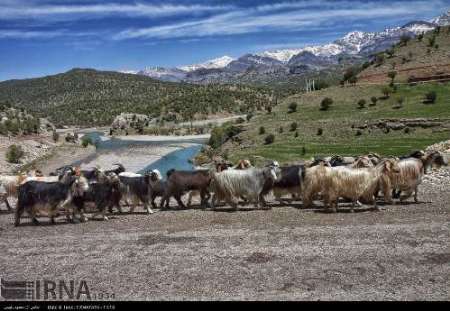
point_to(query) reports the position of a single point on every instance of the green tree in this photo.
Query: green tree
(292, 107)
(14, 153)
(326, 103)
(269, 139)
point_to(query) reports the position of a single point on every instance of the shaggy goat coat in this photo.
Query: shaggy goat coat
(351, 183)
(230, 185)
(355, 183)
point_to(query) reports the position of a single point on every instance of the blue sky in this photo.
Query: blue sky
(41, 37)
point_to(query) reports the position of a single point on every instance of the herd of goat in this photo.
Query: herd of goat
(330, 179)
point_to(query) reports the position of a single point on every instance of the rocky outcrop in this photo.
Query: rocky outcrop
(134, 121)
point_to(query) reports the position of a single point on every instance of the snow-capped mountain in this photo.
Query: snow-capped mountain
(164, 74)
(352, 46)
(131, 72)
(216, 63)
(442, 20)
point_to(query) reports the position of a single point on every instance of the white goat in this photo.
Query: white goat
(355, 183)
(230, 185)
(412, 171)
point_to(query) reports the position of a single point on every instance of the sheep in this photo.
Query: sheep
(355, 183)
(229, 185)
(411, 172)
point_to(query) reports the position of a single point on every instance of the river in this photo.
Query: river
(143, 155)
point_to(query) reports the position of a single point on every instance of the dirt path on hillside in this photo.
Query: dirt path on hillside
(401, 253)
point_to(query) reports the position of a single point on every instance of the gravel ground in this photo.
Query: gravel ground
(401, 253)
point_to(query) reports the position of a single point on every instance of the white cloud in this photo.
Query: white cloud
(20, 10)
(277, 18)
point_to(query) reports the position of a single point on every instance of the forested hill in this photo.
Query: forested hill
(90, 97)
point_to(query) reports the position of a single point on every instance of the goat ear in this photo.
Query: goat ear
(77, 171)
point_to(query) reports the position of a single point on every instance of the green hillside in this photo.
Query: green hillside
(93, 98)
(339, 124)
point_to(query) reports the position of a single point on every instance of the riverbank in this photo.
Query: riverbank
(135, 158)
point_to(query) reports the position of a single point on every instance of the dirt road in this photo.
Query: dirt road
(401, 253)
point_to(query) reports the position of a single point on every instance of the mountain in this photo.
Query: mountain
(281, 64)
(216, 63)
(442, 20)
(164, 74)
(94, 98)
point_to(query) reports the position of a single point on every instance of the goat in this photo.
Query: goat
(411, 172)
(355, 183)
(230, 185)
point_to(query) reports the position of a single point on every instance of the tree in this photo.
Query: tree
(353, 80)
(430, 97)
(14, 153)
(280, 130)
(374, 100)
(55, 136)
(292, 107)
(379, 59)
(392, 75)
(390, 52)
(269, 139)
(249, 116)
(431, 41)
(319, 131)
(262, 130)
(326, 103)
(420, 37)
(404, 39)
(361, 103)
(293, 126)
(86, 140)
(386, 90)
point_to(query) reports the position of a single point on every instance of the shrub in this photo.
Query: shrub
(326, 103)
(404, 39)
(379, 60)
(293, 126)
(240, 120)
(390, 53)
(319, 131)
(249, 116)
(358, 133)
(296, 134)
(420, 37)
(386, 91)
(353, 80)
(269, 109)
(361, 103)
(430, 97)
(280, 130)
(431, 41)
(407, 130)
(262, 130)
(292, 107)
(303, 150)
(269, 139)
(14, 153)
(374, 100)
(220, 134)
(86, 140)
(392, 74)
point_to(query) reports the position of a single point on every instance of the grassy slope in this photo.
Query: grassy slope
(424, 60)
(338, 136)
